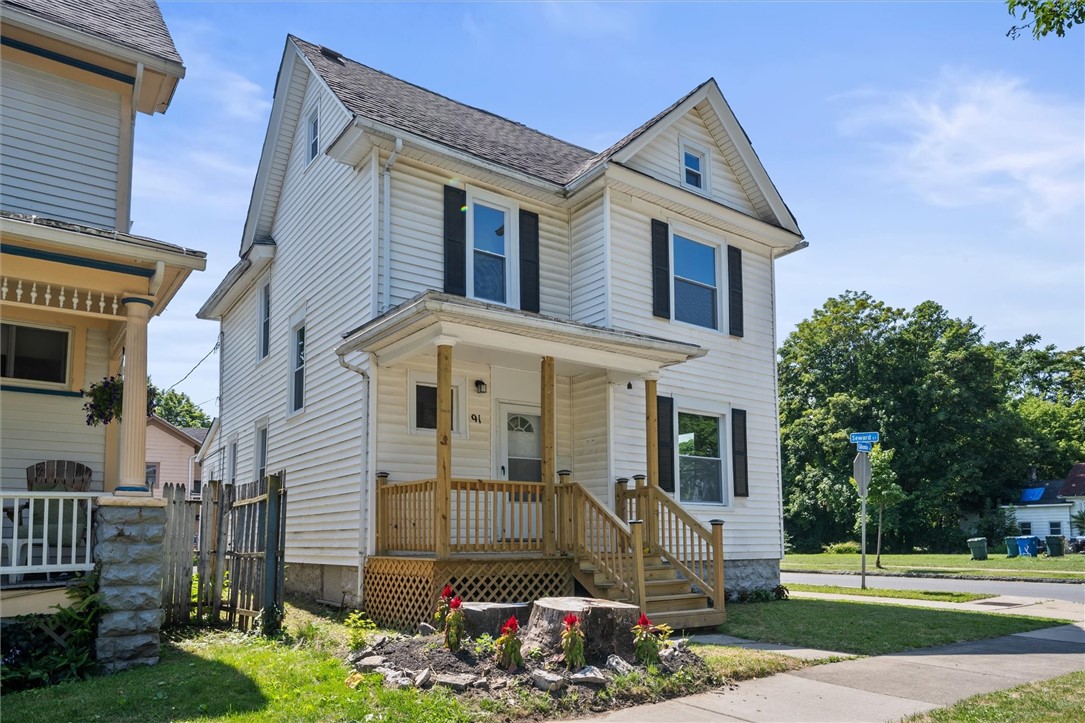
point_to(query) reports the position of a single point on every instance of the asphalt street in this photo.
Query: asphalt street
(1057, 591)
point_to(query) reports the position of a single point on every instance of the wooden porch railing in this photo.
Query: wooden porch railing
(594, 534)
(676, 535)
(405, 519)
(496, 516)
(46, 532)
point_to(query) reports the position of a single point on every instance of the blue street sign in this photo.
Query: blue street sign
(864, 447)
(857, 437)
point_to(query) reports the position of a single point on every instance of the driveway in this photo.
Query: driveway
(1073, 592)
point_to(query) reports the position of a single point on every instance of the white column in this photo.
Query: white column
(133, 452)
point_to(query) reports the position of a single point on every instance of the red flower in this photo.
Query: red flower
(510, 626)
(644, 622)
(455, 604)
(571, 620)
(447, 592)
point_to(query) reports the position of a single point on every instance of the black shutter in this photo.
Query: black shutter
(739, 467)
(665, 426)
(455, 241)
(661, 270)
(529, 261)
(734, 290)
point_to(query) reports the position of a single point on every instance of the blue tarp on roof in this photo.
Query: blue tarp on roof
(1032, 494)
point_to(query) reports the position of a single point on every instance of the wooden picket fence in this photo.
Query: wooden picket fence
(238, 554)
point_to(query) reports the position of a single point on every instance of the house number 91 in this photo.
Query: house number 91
(476, 418)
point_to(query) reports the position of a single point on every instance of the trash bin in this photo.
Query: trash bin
(1011, 546)
(1056, 545)
(1027, 545)
(978, 546)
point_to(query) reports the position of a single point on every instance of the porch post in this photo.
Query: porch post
(548, 462)
(133, 452)
(443, 489)
(651, 430)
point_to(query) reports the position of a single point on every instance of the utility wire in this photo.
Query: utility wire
(201, 361)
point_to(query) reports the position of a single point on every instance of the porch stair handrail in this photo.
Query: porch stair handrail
(595, 536)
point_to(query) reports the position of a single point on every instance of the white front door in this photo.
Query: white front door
(519, 457)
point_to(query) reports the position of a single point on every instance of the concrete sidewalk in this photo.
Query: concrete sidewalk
(883, 688)
(1012, 604)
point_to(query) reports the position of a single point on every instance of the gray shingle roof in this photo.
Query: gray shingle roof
(135, 24)
(380, 97)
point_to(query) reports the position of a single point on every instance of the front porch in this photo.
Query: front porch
(514, 540)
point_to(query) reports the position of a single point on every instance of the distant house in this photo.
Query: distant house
(171, 455)
(1041, 510)
(436, 310)
(1073, 491)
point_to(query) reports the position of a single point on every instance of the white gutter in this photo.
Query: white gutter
(797, 247)
(386, 233)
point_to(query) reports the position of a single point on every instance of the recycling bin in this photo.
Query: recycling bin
(1011, 546)
(1056, 545)
(978, 546)
(1027, 545)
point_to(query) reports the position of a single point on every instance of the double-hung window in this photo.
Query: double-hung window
(694, 166)
(700, 459)
(34, 353)
(151, 474)
(492, 264)
(231, 462)
(422, 413)
(264, 338)
(296, 344)
(260, 452)
(695, 287)
(1026, 528)
(313, 128)
(1056, 528)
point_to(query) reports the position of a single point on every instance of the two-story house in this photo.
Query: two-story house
(456, 334)
(76, 288)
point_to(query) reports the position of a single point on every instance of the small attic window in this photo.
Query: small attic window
(314, 135)
(694, 166)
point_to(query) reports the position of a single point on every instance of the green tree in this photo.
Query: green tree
(178, 409)
(883, 493)
(1045, 16)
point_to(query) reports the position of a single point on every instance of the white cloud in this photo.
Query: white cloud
(969, 139)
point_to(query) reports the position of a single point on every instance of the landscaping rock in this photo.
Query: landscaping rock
(423, 677)
(545, 680)
(667, 655)
(484, 617)
(357, 655)
(606, 625)
(588, 675)
(618, 666)
(458, 682)
(377, 641)
(426, 629)
(369, 663)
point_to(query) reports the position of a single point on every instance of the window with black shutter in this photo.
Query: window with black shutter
(455, 241)
(739, 467)
(665, 427)
(661, 269)
(734, 291)
(529, 261)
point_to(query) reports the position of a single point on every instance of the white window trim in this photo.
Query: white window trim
(157, 474)
(693, 405)
(297, 321)
(685, 145)
(231, 460)
(677, 228)
(69, 332)
(263, 294)
(459, 403)
(260, 425)
(512, 244)
(310, 137)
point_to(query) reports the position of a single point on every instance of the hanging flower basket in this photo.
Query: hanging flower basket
(106, 400)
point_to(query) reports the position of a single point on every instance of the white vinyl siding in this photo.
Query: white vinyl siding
(587, 261)
(735, 373)
(36, 427)
(661, 159)
(1040, 517)
(591, 459)
(61, 147)
(323, 233)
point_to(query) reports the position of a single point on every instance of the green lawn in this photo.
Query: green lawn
(1058, 699)
(1066, 567)
(865, 628)
(955, 597)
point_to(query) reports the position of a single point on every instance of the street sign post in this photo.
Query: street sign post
(861, 471)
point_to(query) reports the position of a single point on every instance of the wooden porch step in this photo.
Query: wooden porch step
(697, 618)
(676, 602)
(673, 586)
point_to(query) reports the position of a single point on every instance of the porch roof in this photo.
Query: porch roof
(432, 318)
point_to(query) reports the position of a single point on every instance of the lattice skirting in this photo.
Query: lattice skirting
(401, 592)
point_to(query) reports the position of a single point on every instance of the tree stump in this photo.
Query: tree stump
(479, 618)
(607, 626)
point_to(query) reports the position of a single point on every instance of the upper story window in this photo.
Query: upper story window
(695, 166)
(34, 353)
(264, 332)
(493, 250)
(313, 127)
(297, 366)
(700, 461)
(695, 287)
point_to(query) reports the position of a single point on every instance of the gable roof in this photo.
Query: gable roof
(1041, 492)
(178, 433)
(1074, 486)
(135, 24)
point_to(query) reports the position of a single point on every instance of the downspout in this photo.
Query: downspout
(364, 474)
(386, 234)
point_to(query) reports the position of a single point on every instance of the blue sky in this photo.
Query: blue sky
(924, 154)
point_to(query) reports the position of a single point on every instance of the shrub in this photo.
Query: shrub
(996, 525)
(842, 548)
(572, 642)
(359, 627)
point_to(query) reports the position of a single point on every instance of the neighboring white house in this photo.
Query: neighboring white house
(392, 229)
(171, 455)
(1041, 510)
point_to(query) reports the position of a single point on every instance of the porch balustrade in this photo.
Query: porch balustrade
(46, 532)
(28, 292)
